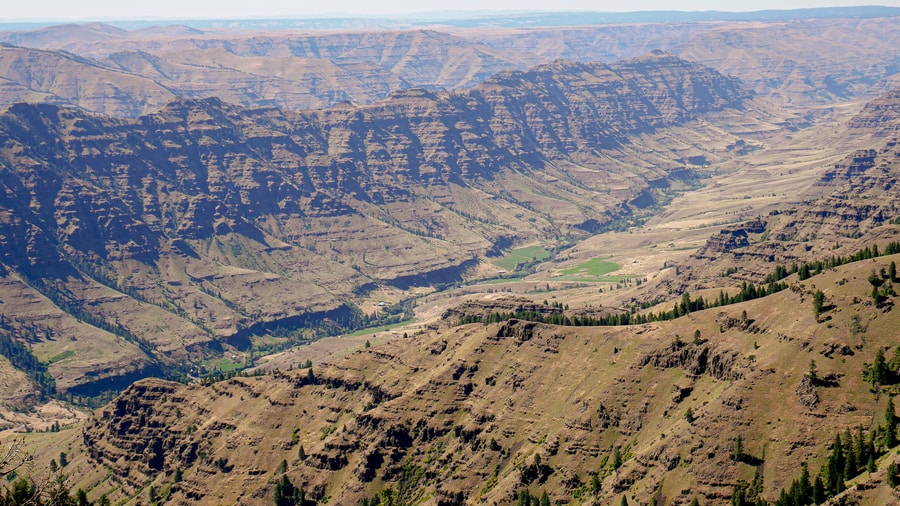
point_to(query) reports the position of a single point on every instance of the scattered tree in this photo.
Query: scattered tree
(738, 452)
(890, 425)
(818, 302)
(595, 483)
(286, 494)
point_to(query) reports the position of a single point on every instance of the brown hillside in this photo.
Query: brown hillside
(419, 415)
(206, 222)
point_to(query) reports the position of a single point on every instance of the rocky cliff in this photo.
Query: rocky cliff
(479, 413)
(127, 73)
(219, 221)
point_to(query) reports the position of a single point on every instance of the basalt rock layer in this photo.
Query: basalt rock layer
(478, 413)
(180, 231)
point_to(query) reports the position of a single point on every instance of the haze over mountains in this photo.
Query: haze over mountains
(126, 73)
(190, 202)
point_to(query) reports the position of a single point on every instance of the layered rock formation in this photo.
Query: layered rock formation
(127, 73)
(219, 221)
(482, 412)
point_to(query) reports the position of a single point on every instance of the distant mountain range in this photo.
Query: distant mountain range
(487, 19)
(209, 221)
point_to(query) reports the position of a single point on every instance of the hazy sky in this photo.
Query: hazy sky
(181, 9)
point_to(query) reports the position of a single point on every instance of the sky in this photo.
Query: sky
(83, 10)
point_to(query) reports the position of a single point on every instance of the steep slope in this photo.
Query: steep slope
(289, 71)
(207, 223)
(799, 62)
(56, 77)
(478, 413)
(849, 204)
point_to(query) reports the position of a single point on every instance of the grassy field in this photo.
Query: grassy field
(593, 267)
(520, 256)
(223, 364)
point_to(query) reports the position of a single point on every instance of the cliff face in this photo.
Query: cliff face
(128, 73)
(216, 220)
(852, 203)
(473, 413)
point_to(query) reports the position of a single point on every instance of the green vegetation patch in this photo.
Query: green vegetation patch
(593, 267)
(522, 256)
(62, 356)
(224, 364)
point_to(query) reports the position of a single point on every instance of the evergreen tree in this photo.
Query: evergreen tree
(850, 456)
(524, 498)
(805, 488)
(892, 480)
(859, 448)
(818, 494)
(738, 452)
(595, 483)
(286, 494)
(890, 425)
(616, 459)
(545, 499)
(818, 302)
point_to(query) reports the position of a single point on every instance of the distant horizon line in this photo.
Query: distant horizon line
(436, 15)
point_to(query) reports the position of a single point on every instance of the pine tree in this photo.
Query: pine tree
(892, 480)
(545, 499)
(286, 494)
(890, 425)
(859, 447)
(524, 498)
(595, 483)
(805, 488)
(818, 302)
(818, 494)
(616, 459)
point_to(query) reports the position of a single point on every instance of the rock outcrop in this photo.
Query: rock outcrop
(220, 221)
